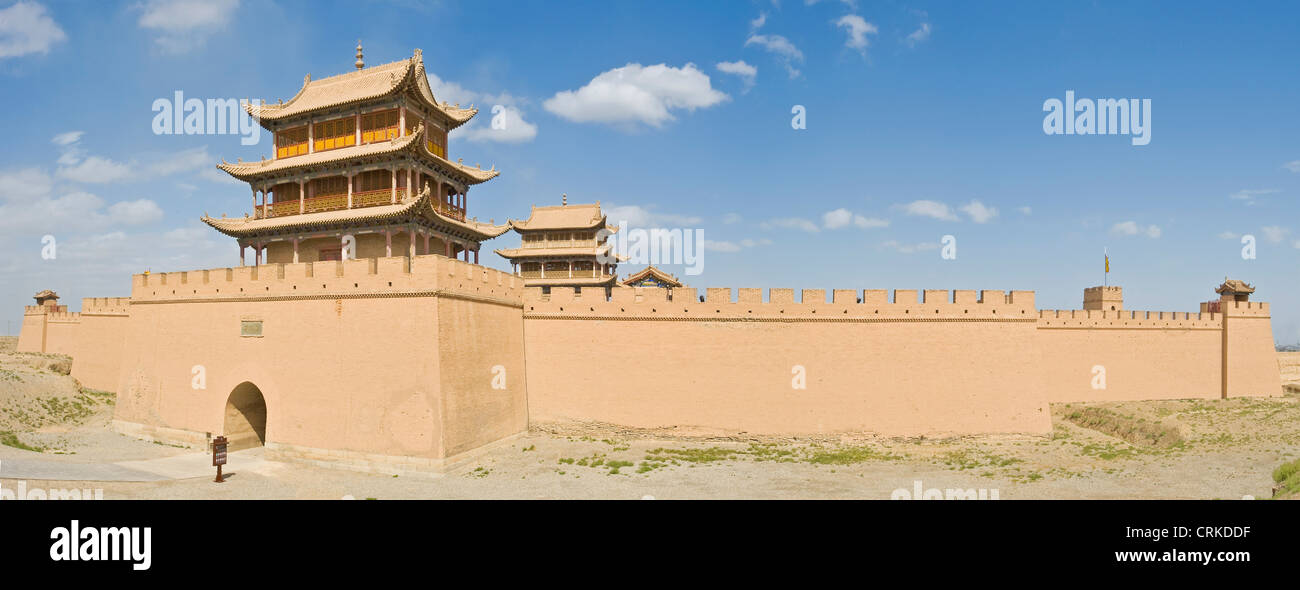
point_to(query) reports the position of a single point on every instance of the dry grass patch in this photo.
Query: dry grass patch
(1137, 431)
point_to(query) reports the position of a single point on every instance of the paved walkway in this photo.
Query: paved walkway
(166, 468)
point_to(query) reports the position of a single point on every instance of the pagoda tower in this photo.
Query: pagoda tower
(360, 170)
(563, 246)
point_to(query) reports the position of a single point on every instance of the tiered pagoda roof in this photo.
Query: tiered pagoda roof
(1233, 286)
(560, 218)
(586, 216)
(342, 157)
(421, 206)
(652, 274)
(375, 82)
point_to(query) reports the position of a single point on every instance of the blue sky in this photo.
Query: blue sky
(924, 119)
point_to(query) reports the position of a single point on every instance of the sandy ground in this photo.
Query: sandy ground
(1229, 450)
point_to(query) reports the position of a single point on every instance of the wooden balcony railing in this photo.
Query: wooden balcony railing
(376, 197)
(332, 203)
(560, 244)
(531, 274)
(452, 212)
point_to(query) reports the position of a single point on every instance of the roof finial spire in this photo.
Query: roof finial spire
(564, 199)
(360, 63)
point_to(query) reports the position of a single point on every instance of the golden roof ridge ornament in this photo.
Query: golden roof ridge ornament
(360, 62)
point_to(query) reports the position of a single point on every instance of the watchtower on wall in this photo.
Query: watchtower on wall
(1103, 298)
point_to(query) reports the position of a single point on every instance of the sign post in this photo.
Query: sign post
(219, 456)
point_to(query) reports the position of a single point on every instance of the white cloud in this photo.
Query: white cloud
(645, 217)
(841, 218)
(68, 138)
(1025, 210)
(926, 208)
(920, 35)
(502, 122)
(902, 248)
(728, 246)
(1275, 234)
(790, 223)
(25, 28)
(1293, 166)
(731, 218)
(137, 212)
(191, 160)
(182, 25)
(96, 170)
(837, 219)
(716, 246)
(758, 21)
(637, 94)
(1248, 195)
(979, 213)
(507, 125)
(858, 29)
(785, 51)
(746, 72)
(1229, 235)
(1131, 228)
(26, 184)
(38, 211)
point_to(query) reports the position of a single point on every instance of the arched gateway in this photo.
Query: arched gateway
(245, 425)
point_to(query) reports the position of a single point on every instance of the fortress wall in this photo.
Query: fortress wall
(61, 332)
(97, 349)
(349, 360)
(1146, 355)
(31, 336)
(1250, 355)
(950, 365)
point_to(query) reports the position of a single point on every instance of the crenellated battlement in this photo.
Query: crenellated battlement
(394, 276)
(1104, 318)
(66, 317)
(1245, 308)
(106, 305)
(724, 302)
(43, 309)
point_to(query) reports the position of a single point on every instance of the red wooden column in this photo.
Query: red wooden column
(388, 243)
(349, 191)
(394, 173)
(302, 192)
(295, 250)
(411, 252)
(241, 254)
(426, 242)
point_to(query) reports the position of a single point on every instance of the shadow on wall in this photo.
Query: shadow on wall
(245, 425)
